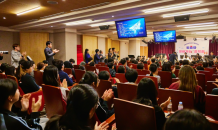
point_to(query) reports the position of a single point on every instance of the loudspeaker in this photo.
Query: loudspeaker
(182, 18)
(105, 27)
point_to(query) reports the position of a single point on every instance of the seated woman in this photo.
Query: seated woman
(188, 82)
(28, 84)
(9, 94)
(10, 70)
(154, 72)
(147, 95)
(167, 67)
(50, 77)
(82, 103)
(121, 69)
(187, 120)
(41, 66)
(102, 111)
(68, 64)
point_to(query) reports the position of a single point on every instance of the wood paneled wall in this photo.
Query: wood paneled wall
(34, 45)
(91, 43)
(144, 51)
(116, 44)
(108, 45)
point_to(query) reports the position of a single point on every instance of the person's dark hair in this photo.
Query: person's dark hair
(121, 69)
(48, 43)
(81, 67)
(177, 63)
(194, 62)
(104, 75)
(32, 62)
(110, 65)
(210, 64)
(187, 120)
(100, 51)
(146, 92)
(191, 64)
(109, 50)
(18, 71)
(54, 62)
(131, 75)
(8, 88)
(26, 65)
(72, 60)
(40, 65)
(153, 60)
(170, 63)
(97, 50)
(92, 64)
(140, 66)
(113, 49)
(127, 58)
(88, 78)
(45, 61)
(205, 64)
(166, 67)
(59, 64)
(185, 62)
(153, 68)
(181, 61)
(106, 61)
(67, 64)
(200, 68)
(3, 66)
(123, 61)
(110, 60)
(135, 62)
(177, 67)
(50, 76)
(86, 50)
(145, 62)
(132, 60)
(15, 45)
(10, 70)
(81, 100)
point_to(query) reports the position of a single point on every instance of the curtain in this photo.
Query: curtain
(160, 48)
(213, 47)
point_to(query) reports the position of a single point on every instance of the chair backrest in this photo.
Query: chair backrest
(146, 66)
(130, 64)
(177, 72)
(2, 76)
(175, 80)
(134, 66)
(127, 91)
(177, 96)
(134, 116)
(35, 95)
(38, 75)
(214, 77)
(214, 125)
(210, 86)
(76, 66)
(104, 68)
(201, 80)
(15, 79)
(68, 70)
(53, 100)
(211, 106)
(211, 73)
(207, 75)
(143, 72)
(101, 63)
(103, 85)
(166, 78)
(98, 65)
(121, 77)
(140, 77)
(79, 74)
(90, 68)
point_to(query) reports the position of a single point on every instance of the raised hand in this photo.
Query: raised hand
(24, 53)
(117, 80)
(25, 102)
(36, 105)
(108, 94)
(70, 75)
(102, 126)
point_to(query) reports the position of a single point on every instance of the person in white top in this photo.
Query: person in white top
(16, 56)
(154, 72)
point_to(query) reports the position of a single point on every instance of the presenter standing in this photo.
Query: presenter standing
(49, 54)
(173, 57)
(16, 56)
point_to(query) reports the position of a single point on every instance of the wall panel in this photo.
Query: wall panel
(91, 43)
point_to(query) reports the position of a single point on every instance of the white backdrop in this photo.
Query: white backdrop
(192, 47)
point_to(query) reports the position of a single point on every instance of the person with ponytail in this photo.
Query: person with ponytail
(28, 84)
(154, 72)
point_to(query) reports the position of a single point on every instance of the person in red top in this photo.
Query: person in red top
(188, 82)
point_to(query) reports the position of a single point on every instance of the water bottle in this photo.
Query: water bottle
(169, 107)
(180, 106)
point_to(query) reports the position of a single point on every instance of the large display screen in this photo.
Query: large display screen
(131, 28)
(165, 36)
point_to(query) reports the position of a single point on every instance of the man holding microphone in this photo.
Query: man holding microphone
(49, 54)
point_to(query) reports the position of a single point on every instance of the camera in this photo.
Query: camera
(4, 52)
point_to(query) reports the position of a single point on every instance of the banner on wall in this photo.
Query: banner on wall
(192, 47)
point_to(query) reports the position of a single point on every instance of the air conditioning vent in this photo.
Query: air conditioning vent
(1, 1)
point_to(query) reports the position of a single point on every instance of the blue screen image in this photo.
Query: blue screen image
(131, 28)
(165, 36)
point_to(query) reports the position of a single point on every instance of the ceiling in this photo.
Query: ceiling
(120, 9)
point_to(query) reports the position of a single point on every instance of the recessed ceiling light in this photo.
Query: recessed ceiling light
(4, 17)
(28, 11)
(112, 16)
(51, 26)
(186, 13)
(79, 22)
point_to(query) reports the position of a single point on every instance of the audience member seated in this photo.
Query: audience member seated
(215, 91)
(153, 61)
(180, 62)
(82, 63)
(185, 62)
(10, 70)
(131, 76)
(3, 67)
(68, 64)
(34, 66)
(41, 66)
(210, 64)
(82, 103)
(82, 67)
(54, 61)
(9, 94)
(136, 62)
(45, 63)
(166, 67)
(102, 111)
(19, 69)
(124, 63)
(191, 64)
(28, 84)
(200, 68)
(72, 61)
(188, 82)
(194, 62)
(50, 77)
(205, 64)
(140, 66)
(127, 59)
(111, 69)
(92, 64)
(147, 95)
(187, 120)
(106, 61)
(62, 74)
(121, 69)
(154, 72)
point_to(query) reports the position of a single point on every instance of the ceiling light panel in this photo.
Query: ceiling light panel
(201, 26)
(79, 22)
(29, 10)
(101, 24)
(195, 24)
(205, 32)
(186, 13)
(172, 7)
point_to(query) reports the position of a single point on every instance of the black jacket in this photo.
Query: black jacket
(49, 55)
(1, 57)
(172, 58)
(112, 72)
(13, 122)
(28, 84)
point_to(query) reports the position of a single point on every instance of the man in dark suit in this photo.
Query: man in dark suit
(1, 56)
(173, 57)
(49, 54)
